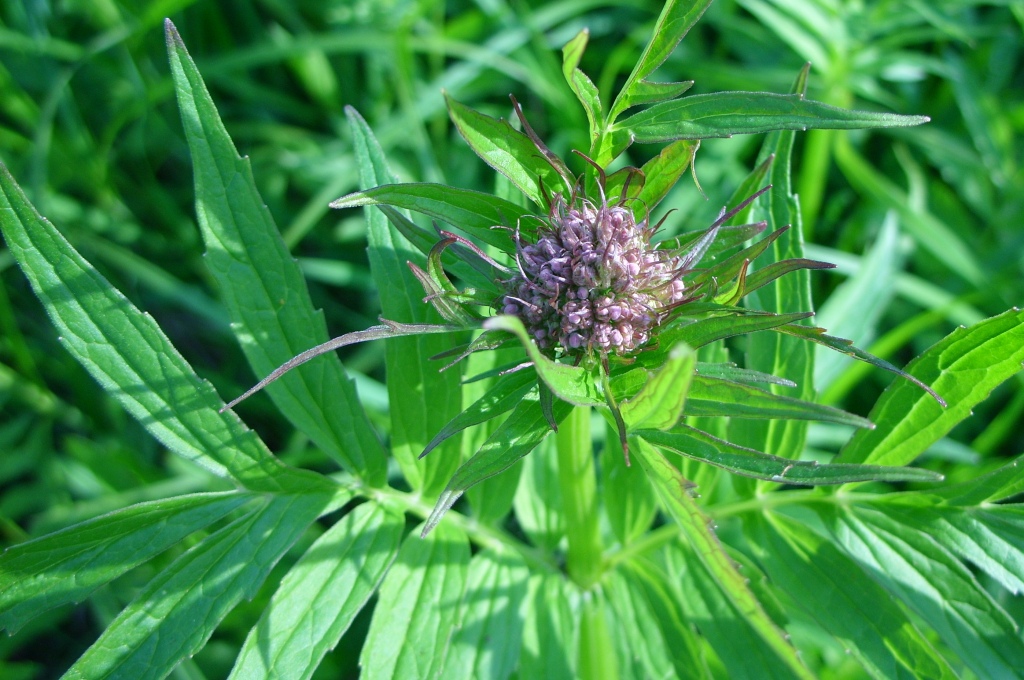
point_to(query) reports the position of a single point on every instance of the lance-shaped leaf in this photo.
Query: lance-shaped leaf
(176, 613)
(388, 329)
(715, 397)
(67, 565)
(676, 19)
(696, 527)
(731, 266)
(659, 404)
(474, 212)
(766, 275)
(724, 114)
(508, 151)
(662, 172)
(692, 443)
(818, 335)
(501, 398)
(731, 371)
(321, 595)
(261, 284)
(521, 432)
(965, 367)
(574, 384)
(129, 355)
(581, 85)
(705, 331)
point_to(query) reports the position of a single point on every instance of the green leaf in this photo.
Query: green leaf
(485, 642)
(715, 397)
(262, 287)
(575, 384)
(663, 171)
(724, 114)
(696, 528)
(473, 212)
(1003, 482)
(597, 659)
(964, 367)
(67, 565)
(550, 634)
(503, 397)
(933, 583)
(740, 460)
(676, 19)
(833, 590)
(521, 432)
(417, 609)
(128, 354)
(421, 397)
(538, 500)
(704, 331)
(321, 595)
(628, 500)
(659, 404)
(581, 85)
(178, 610)
(508, 151)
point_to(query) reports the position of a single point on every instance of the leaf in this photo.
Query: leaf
(581, 85)
(731, 372)
(175, 614)
(575, 384)
(696, 528)
(833, 590)
(421, 397)
(538, 500)
(740, 460)
(501, 398)
(321, 595)
(132, 359)
(724, 114)
(261, 285)
(550, 634)
(508, 151)
(663, 171)
(486, 641)
(937, 587)
(418, 607)
(597, 652)
(716, 397)
(676, 19)
(705, 331)
(964, 367)
(659, 404)
(65, 566)
(521, 432)
(629, 502)
(1003, 482)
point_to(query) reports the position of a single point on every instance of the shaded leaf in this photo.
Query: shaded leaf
(550, 634)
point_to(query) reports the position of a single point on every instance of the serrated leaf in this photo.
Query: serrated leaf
(129, 355)
(486, 641)
(508, 151)
(676, 19)
(521, 432)
(964, 367)
(715, 397)
(175, 614)
(724, 114)
(261, 285)
(550, 633)
(67, 565)
(692, 443)
(321, 595)
(421, 397)
(832, 590)
(575, 384)
(918, 571)
(472, 212)
(418, 607)
(696, 527)
(660, 403)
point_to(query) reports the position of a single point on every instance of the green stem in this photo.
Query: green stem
(578, 482)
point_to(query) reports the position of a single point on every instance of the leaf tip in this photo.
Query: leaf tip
(173, 37)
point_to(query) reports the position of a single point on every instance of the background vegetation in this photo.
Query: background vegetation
(925, 223)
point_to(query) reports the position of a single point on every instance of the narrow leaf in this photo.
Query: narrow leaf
(321, 595)
(581, 85)
(964, 367)
(65, 566)
(692, 443)
(659, 404)
(724, 114)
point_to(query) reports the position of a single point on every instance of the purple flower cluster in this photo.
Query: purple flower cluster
(593, 281)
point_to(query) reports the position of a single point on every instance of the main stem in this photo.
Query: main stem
(578, 482)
